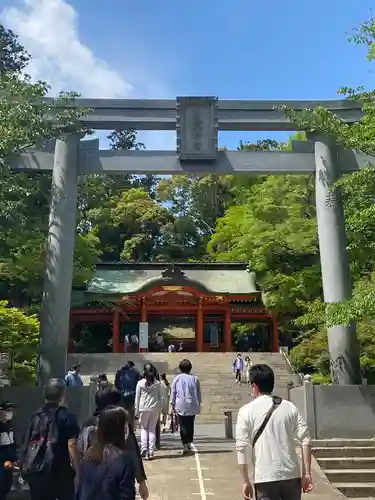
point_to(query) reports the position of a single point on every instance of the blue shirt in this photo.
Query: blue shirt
(73, 379)
(238, 364)
(113, 479)
(186, 394)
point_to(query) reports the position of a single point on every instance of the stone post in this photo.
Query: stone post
(228, 424)
(309, 406)
(55, 309)
(342, 339)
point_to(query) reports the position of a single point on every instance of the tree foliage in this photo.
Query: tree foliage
(359, 193)
(19, 333)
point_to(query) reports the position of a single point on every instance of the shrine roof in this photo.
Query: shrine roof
(123, 278)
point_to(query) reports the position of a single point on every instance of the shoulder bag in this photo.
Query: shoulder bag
(276, 401)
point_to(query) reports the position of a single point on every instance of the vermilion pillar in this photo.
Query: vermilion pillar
(143, 311)
(227, 331)
(275, 333)
(199, 327)
(116, 331)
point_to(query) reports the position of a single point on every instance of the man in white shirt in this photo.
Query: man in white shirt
(276, 472)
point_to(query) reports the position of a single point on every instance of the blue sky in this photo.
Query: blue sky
(230, 49)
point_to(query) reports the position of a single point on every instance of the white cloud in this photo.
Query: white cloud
(49, 31)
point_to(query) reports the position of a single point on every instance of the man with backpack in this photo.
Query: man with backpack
(126, 380)
(50, 457)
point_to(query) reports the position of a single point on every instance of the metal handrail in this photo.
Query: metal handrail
(286, 357)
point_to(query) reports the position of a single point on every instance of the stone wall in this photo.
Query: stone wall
(297, 396)
(340, 411)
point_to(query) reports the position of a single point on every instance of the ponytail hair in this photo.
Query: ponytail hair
(163, 377)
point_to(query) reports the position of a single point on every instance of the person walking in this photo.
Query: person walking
(186, 401)
(73, 377)
(107, 471)
(8, 449)
(50, 457)
(267, 429)
(126, 380)
(238, 367)
(108, 396)
(147, 407)
(181, 347)
(134, 341)
(165, 399)
(248, 365)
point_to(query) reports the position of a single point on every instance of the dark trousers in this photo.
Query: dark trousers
(279, 490)
(157, 435)
(186, 428)
(6, 481)
(238, 375)
(53, 487)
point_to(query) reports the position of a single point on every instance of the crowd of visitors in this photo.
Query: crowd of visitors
(59, 460)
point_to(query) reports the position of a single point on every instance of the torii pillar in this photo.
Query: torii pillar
(342, 340)
(56, 300)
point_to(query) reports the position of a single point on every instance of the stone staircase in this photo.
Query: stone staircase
(349, 465)
(213, 369)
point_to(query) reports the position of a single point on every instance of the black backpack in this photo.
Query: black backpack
(86, 438)
(38, 451)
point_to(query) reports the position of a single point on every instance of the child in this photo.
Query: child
(165, 397)
(248, 365)
(8, 455)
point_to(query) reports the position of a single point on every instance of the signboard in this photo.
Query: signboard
(143, 335)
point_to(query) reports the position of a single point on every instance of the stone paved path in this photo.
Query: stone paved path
(210, 474)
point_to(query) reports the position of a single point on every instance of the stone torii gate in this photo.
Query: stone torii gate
(197, 121)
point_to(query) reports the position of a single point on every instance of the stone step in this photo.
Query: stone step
(168, 362)
(356, 490)
(350, 475)
(347, 463)
(334, 443)
(350, 451)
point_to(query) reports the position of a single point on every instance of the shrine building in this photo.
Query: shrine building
(191, 302)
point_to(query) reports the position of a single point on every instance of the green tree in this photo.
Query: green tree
(263, 225)
(358, 187)
(19, 333)
(359, 192)
(138, 219)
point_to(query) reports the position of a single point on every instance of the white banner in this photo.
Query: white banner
(143, 335)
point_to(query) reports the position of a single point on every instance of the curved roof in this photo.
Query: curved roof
(212, 279)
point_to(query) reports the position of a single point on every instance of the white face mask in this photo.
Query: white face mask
(8, 415)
